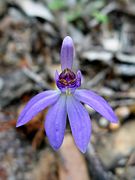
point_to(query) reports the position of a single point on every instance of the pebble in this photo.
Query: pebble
(114, 126)
(120, 143)
(103, 122)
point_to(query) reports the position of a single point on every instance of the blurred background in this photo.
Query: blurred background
(31, 33)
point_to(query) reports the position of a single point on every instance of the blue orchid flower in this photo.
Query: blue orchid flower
(67, 101)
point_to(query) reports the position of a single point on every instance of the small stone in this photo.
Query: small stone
(120, 143)
(103, 122)
(114, 126)
(120, 171)
(122, 112)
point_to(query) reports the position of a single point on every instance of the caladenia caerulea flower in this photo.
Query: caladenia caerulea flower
(67, 100)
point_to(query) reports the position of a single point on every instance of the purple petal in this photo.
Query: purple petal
(80, 123)
(96, 102)
(37, 104)
(67, 53)
(79, 77)
(55, 122)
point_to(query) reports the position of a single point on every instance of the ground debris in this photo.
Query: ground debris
(13, 87)
(71, 161)
(31, 33)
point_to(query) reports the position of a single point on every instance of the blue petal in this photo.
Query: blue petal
(80, 123)
(37, 104)
(67, 53)
(96, 102)
(78, 78)
(55, 122)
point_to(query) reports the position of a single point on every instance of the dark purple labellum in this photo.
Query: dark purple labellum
(68, 79)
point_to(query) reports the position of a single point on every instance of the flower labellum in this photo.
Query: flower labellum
(67, 101)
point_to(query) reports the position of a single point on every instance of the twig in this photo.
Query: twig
(36, 78)
(100, 76)
(95, 167)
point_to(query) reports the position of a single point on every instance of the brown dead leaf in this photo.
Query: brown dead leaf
(7, 125)
(73, 165)
(46, 168)
(3, 174)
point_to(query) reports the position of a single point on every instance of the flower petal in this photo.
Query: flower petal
(37, 104)
(80, 123)
(67, 53)
(55, 122)
(96, 102)
(79, 77)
